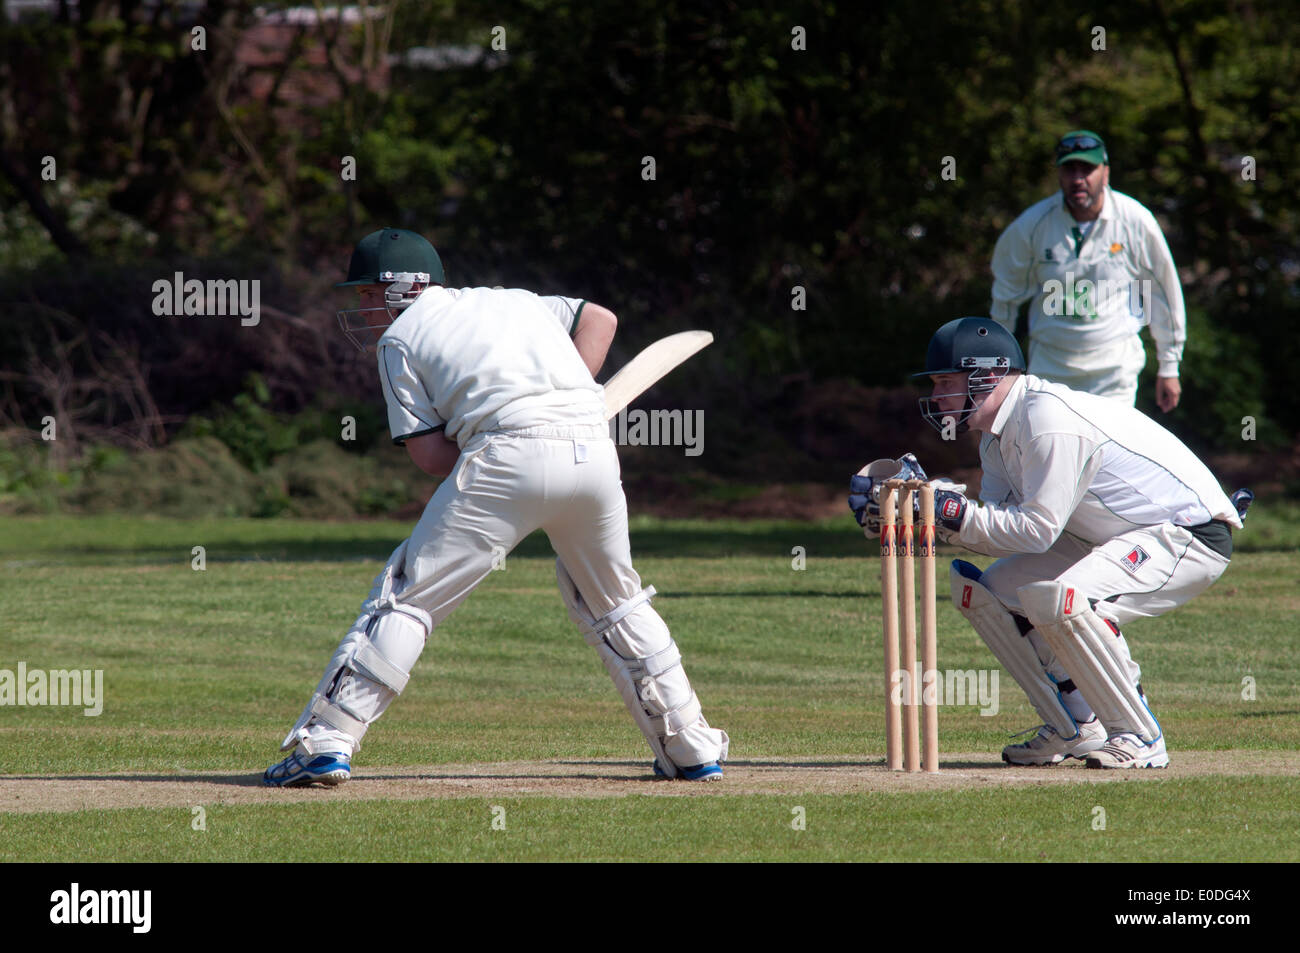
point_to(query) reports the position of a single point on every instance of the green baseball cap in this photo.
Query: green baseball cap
(1081, 145)
(393, 251)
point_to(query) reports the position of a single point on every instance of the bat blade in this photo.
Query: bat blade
(651, 365)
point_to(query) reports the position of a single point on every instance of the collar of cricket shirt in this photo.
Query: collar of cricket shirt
(1009, 404)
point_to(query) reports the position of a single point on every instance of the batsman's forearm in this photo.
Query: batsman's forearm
(433, 453)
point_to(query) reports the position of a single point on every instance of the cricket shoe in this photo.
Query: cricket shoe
(1048, 747)
(330, 768)
(696, 772)
(1127, 750)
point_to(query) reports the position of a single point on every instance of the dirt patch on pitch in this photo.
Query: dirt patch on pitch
(595, 779)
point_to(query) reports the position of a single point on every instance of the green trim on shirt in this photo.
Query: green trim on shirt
(401, 441)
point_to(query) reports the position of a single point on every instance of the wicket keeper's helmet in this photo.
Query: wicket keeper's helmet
(971, 344)
(979, 347)
(393, 251)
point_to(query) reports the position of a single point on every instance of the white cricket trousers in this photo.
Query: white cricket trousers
(1139, 574)
(561, 479)
(565, 481)
(1109, 371)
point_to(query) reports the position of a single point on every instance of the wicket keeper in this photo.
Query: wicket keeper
(1098, 516)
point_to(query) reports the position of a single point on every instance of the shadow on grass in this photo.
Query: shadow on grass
(748, 594)
(231, 780)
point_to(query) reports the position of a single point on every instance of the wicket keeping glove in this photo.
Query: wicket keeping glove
(862, 501)
(866, 484)
(950, 506)
(1241, 500)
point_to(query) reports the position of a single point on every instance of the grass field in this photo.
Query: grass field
(511, 744)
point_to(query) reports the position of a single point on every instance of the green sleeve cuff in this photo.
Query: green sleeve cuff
(401, 441)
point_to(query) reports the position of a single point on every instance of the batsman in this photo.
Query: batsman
(1099, 516)
(495, 390)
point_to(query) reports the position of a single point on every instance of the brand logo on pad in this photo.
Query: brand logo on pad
(950, 510)
(1135, 558)
(965, 597)
(1069, 601)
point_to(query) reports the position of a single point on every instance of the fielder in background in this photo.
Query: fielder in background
(495, 390)
(1097, 269)
(1100, 516)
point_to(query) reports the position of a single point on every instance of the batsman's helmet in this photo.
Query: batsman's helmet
(404, 263)
(393, 251)
(978, 346)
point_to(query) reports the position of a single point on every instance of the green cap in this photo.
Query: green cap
(1081, 145)
(393, 250)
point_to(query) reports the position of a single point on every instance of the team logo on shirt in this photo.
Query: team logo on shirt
(1135, 558)
(1116, 248)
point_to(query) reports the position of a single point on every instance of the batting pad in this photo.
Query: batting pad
(368, 670)
(1001, 634)
(1088, 648)
(646, 667)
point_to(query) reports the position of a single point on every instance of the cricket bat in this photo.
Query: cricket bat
(651, 365)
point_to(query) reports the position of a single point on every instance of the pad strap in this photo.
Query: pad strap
(684, 717)
(337, 717)
(407, 609)
(663, 660)
(617, 615)
(368, 660)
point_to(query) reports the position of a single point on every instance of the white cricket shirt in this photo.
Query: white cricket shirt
(1059, 460)
(1098, 303)
(467, 360)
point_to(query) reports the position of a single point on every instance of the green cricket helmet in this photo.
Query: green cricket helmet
(393, 251)
(404, 263)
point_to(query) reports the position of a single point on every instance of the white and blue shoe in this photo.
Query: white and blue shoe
(696, 772)
(329, 768)
(1048, 747)
(1126, 750)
